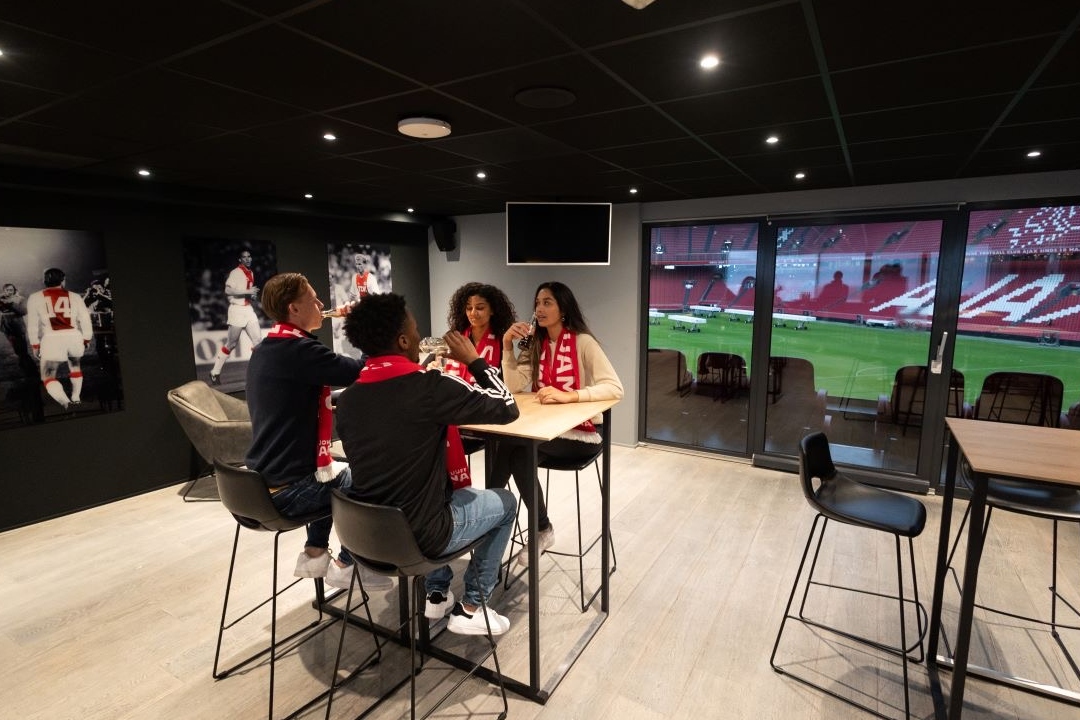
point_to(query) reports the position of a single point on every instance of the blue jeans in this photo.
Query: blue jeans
(307, 496)
(477, 513)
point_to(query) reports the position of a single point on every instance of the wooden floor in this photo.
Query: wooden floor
(112, 612)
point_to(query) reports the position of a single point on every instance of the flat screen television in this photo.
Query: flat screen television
(558, 233)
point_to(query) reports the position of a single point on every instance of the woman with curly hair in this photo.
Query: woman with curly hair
(483, 314)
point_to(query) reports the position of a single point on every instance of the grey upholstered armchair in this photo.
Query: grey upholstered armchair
(217, 424)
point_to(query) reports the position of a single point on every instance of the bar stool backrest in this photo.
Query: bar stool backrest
(380, 536)
(243, 492)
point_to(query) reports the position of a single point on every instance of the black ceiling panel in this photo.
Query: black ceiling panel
(234, 96)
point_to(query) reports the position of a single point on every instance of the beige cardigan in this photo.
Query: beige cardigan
(598, 378)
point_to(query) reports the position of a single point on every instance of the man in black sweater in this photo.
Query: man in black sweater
(288, 393)
(398, 427)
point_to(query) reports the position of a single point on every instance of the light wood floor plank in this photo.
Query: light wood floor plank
(112, 612)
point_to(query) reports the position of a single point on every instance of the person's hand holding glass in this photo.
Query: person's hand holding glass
(452, 345)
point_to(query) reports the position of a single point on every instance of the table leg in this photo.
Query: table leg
(967, 596)
(534, 574)
(605, 518)
(940, 571)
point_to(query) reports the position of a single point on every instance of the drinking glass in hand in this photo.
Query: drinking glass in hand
(434, 345)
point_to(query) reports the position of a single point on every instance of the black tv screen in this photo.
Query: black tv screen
(558, 233)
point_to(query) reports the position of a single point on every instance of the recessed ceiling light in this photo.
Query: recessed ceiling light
(480, 174)
(308, 196)
(800, 175)
(329, 136)
(633, 191)
(1034, 153)
(144, 172)
(772, 140)
(1, 52)
(409, 210)
(424, 128)
(709, 62)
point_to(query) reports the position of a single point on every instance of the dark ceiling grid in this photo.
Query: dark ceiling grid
(234, 95)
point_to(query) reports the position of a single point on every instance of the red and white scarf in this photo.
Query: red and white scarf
(559, 369)
(324, 463)
(488, 348)
(386, 367)
(250, 281)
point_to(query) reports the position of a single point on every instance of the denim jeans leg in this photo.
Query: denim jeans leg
(307, 496)
(488, 514)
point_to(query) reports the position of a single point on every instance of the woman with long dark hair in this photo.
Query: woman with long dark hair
(563, 363)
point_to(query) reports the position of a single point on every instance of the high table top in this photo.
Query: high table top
(545, 422)
(1019, 451)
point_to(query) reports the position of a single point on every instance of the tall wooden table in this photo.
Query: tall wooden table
(537, 424)
(1000, 450)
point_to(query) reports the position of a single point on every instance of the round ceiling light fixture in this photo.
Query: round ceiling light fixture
(424, 128)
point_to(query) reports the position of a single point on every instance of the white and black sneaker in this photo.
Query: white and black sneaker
(438, 604)
(463, 623)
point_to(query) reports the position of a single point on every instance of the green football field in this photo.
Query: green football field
(856, 361)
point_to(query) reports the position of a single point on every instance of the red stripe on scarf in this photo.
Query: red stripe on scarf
(324, 471)
(488, 348)
(560, 369)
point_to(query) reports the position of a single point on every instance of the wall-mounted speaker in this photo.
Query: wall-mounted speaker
(445, 234)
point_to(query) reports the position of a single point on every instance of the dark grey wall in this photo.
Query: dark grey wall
(59, 467)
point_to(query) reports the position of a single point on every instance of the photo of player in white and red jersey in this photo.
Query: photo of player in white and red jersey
(59, 330)
(365, 280)
(356, 270)
(58, 361)
(241, 291)
(224, 277)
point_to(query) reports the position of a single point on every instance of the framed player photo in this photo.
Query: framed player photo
(58, 354)
(223, 278)
(356, 270)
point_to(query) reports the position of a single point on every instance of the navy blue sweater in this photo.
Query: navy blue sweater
(284, 379)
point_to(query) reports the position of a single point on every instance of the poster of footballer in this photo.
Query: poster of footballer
(58, 354)
(356, 270)
(223, 278)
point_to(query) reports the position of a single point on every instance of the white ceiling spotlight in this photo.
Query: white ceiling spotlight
(424, 128)
(1034, 153)
(709, 62)
(144, 172)
(329, 137)
(638, 4)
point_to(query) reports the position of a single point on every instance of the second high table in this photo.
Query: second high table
(1020, 452)
(537, 424)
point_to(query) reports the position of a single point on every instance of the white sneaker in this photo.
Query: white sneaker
(438, 605)
(462, 623)
(341, 577)
(546, 538)
(311, 567)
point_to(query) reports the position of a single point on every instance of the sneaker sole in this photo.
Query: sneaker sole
(458, 629)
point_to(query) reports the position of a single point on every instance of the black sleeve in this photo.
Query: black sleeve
(456, 402)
